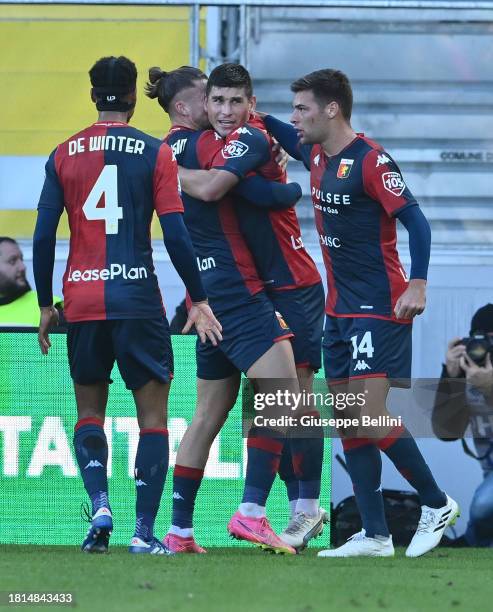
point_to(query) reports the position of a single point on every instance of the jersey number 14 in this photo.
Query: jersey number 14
(106, 185)
(365, 346)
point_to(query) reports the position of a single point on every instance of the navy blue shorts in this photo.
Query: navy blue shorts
(364, 347)
(303, 311)
(141, 348)
(249, 331)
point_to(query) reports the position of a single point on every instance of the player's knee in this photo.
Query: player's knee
(208, 422)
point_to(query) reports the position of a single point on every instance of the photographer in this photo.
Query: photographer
(465, 398)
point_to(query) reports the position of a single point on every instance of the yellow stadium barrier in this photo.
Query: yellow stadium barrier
(46, 52)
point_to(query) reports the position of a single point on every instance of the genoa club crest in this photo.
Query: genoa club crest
(344, 169)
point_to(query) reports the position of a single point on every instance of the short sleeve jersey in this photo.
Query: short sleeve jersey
(110, 178)
(273, 236)
(226, 265)
(356, 195)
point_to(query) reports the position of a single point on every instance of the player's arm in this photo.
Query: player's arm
(413, 301)
(284, 133)
(413, 219)
(287, 136)
(244, 151)
(207, 185)
(212, 185)
(50, 208)
(182, 254)
(169, 207)
(263, 193)
(383, 182)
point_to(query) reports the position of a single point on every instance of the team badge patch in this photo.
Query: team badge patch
(344, 168)
(235, 148)
(393, 182)
(282, 322)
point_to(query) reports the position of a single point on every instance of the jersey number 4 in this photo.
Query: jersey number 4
(106, 185)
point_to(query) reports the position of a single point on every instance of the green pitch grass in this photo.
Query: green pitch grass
(247, 579)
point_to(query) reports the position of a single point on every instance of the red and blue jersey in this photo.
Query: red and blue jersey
(111, 178)
(273, 236)
(226, 265)
(356, 195)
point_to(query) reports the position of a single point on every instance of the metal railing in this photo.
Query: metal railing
(238, 31)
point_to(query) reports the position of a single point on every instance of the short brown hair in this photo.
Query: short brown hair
(328, 85)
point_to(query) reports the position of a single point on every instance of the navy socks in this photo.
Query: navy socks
(151, 467)
(401, 448)
(186, 483)
(264, 448)
(91, 451)
(364, 465)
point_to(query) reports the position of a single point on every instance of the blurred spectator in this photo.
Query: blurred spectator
(18, 302)
(465, 399)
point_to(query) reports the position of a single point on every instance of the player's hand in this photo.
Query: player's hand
(478, 377)
(49, 318)
(282, 157)
(206, 324)
(413, 301)
(455, 351)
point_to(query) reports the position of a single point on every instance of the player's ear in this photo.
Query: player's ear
(93, 96)
(332, 109)
(181, 107)
(252, 103)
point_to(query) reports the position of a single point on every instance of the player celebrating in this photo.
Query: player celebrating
(357, 192)
(236, 292)
(110, 178)
(290, 276)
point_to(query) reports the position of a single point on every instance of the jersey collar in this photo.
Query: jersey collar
(358, 136)
(111, 124)
(176, 128)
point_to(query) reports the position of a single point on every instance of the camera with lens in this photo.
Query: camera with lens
(478, 345)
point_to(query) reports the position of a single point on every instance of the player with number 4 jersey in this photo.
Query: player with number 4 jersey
(110, 178)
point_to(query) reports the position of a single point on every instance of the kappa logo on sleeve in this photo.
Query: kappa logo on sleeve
(235, 148)
(382, 159)
(393, 183)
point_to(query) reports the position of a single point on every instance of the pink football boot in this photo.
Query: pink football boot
(257, 531)
(179, 544)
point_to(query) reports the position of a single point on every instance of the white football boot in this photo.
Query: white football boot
(431, 526)
(302, 528)
(358, 545)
